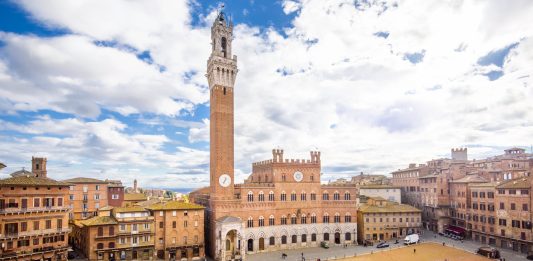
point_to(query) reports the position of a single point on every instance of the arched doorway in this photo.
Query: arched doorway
(337, 238)
(250, 245)
(261, 244)
(232, 246)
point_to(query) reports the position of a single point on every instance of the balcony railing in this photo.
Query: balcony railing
(38, 209)
(35, 233)
(36, 251)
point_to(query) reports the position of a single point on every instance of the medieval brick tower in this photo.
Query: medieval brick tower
(221, 73)
(38, 167)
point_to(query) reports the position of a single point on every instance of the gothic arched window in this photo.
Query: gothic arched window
(224, 46)
(250, 196)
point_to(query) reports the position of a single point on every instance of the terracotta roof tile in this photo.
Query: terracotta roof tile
(31, 181)
(129, 209)
(134, 196)
(388, 208)
(84, 180)
(174, 205)
(99, 220)
(518, 183)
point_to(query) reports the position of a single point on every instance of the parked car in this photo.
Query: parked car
(411, 239)
(488, 252)
(368, 242)
(324, 244)
(382, 245)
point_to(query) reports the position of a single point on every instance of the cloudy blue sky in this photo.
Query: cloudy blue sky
(116, 89)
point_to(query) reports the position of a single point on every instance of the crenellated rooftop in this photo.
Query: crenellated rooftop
(277, 158)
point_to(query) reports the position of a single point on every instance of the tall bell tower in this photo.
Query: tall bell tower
(221, 73)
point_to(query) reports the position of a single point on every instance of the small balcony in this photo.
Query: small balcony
(35, 233)
(13, 210)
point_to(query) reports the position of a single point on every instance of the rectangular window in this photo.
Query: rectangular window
(36, 202)
(524, 192)
(502, 205)
(160, 224)
(23, 226)
(48, 224)
(173, 224)
(513, 206)
(512, 192)
(525, 207)
(36, 225)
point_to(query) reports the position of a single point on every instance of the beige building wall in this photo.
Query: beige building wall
(86, 196)
(391, 193)
(33, 216)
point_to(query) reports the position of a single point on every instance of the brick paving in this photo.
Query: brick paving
(337, 252)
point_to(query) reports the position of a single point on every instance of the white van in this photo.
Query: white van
(411, 239)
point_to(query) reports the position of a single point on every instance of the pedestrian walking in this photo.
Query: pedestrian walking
(414, 250)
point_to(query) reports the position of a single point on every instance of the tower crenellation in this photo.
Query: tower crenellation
(277, 157)
(459, 154)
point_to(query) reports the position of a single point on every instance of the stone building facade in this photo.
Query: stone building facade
(162, 231)
(33, 215)
(282, 204)
(115, 193)
(179, 230)
(379, 219)
(388, 192)
(488, 200)
(87, 195)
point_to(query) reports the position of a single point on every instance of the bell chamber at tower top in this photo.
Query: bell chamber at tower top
(221, 66)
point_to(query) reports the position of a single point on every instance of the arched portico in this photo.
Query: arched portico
(230, 243)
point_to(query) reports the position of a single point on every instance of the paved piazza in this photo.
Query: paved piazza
(337, 252)
(424, 251)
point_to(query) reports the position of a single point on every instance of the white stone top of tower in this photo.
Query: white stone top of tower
(222, 65)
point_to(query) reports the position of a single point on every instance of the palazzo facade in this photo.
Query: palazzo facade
(282, 204)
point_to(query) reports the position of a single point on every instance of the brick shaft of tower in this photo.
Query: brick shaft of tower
(221, 75)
